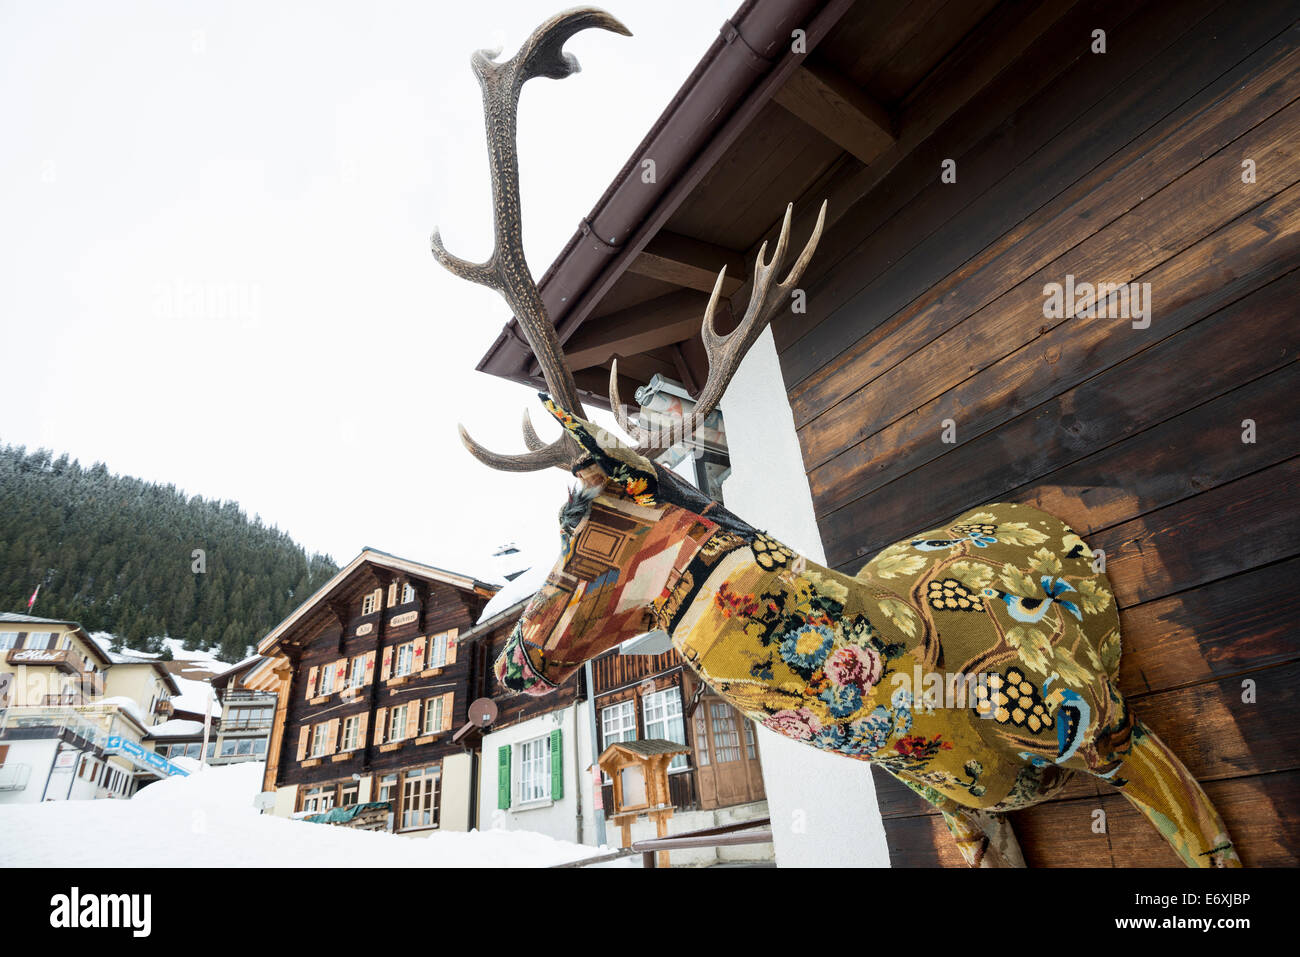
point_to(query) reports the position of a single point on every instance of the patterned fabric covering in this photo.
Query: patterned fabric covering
(976, 662)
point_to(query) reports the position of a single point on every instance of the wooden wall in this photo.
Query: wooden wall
(325, 639)
(926, 303)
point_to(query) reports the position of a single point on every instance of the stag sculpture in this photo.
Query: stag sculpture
(976, 662)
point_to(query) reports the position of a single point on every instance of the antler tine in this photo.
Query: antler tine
(557, 454)
(506, 270)
(531, 439)
(620, 414)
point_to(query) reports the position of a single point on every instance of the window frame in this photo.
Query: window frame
(351, 741)
(679, 762)
(537, 767)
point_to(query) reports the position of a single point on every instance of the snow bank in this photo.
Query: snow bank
(208, 820)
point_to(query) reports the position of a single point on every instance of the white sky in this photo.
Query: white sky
(214, 257)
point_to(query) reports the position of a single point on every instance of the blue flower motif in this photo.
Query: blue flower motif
(902, 699)
(842, 700)
(872, 732)
(807, 647)
(830, 737)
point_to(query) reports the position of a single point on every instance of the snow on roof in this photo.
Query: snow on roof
(176, 728)
(194, 696)
(207, 819)
(513, 592)
(129, 705)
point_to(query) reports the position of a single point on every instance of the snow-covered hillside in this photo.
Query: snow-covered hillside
(208, 820)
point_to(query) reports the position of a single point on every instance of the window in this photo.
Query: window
(387, 787)
(397, 722)
(749, 741)
(433, 715)
(66, 643)
(534, 763)
(259, 745)
(325, 684)
(357, 672)
(319, 739)
(726, 737)
(212, 750)
(348, 793)
(439, 648)
(8, 639)
(318, 799)
(618, 723)
(192, 750)
(228, 745)
(245, 746)
(420, 798)
(350, 728)
(408, 593)
(405, 655)
(663, 719)
(39, 640)
(370, 603)
(701, 738)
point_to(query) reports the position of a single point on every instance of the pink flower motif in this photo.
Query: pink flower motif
(852, 665)
(800, 724)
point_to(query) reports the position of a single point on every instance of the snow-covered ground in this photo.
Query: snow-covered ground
(208, 820)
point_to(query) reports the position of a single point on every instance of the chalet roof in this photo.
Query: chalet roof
(159, 667)
(222, 678)
(757, 125)
(94, 646)
(375, 557)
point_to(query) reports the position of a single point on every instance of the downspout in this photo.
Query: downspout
(597, 813)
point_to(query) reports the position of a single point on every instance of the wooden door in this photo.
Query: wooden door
(726, 755)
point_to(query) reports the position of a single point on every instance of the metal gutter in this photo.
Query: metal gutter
(750, 58)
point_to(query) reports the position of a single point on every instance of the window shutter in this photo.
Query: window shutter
(370, 668)
(311, 682)
(503, 777)
(557, 766)
(361, 729)
(304, 735)
(451, 647)
(380, 715)
(386, 672)
(340, 673)
(332, 736)
(413, 719)
(447, 701)
(392, 594)
(417, 655)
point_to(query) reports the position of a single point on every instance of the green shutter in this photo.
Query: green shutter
(503, 777)
(557, 766)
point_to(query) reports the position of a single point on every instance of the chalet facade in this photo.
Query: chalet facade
(975, 158)
(369, 687)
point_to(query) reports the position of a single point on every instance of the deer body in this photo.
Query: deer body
(976, 662)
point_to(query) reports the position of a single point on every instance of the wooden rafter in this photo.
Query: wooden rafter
(659, 322)
(837, 109)
(689, 263)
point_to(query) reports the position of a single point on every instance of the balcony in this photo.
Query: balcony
(13, 777)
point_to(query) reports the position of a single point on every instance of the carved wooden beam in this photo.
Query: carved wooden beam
(649, 325)
(838, 110)
(690, 263)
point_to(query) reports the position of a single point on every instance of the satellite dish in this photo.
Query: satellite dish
(482, 712)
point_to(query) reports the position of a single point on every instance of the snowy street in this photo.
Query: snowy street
(208, 820)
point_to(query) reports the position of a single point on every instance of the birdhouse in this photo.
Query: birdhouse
(639, 770)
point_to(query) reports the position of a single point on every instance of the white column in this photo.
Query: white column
(823, 806)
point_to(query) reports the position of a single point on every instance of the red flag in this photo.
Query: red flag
(31, 601)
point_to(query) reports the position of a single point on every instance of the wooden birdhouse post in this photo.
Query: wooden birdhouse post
(639, 770)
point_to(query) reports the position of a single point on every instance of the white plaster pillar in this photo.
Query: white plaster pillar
(823, 806)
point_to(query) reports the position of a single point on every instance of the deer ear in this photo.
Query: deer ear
(624, 467)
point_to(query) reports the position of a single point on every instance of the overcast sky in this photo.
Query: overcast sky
(214, 256)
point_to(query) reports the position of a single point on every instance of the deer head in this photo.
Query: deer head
(629, 525)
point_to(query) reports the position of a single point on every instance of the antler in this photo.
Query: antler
(506, 270)
(726, 352)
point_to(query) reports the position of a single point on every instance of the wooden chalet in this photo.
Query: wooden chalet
(370, 688)
(972, 155)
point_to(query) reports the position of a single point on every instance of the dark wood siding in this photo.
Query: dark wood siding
(926, 304)
(439, 607)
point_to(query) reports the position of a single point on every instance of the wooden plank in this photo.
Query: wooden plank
(689, 263)
(1226, 530)
(901, 181)
(837, 109)
(660, 322)
(1262, 813)
(1160, 233)
(1112, 157)
(1102, 426)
